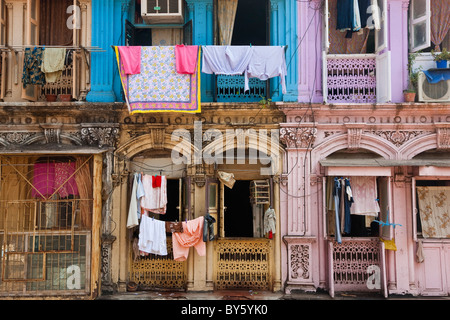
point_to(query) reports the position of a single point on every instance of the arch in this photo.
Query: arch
(256, 141)
(145, 142)
(372, 143)
(414, 147)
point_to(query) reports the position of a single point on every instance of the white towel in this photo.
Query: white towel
(152, 236)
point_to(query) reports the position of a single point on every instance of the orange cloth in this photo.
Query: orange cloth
(192, 236)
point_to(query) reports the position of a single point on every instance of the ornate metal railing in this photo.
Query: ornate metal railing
(231, 89)
(243, 264)
(351, 78)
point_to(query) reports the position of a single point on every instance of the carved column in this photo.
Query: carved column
(104, 135)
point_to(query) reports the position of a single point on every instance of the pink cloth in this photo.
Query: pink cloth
(131, 59)
(186, 58)
(192, 236)
(65, 179)
(43, 180)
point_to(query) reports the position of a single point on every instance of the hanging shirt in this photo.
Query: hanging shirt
(269, 222)
(131, 59)
(152, 236)
(267, 62)
(155, 199)
(227, 60)
(186, 58)
(43, 179)
(192, 236)
(364, 190)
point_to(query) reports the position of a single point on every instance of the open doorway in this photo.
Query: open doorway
(239, 214)
(251, 23)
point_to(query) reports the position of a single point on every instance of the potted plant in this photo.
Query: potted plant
(441, 58)
(413, 78)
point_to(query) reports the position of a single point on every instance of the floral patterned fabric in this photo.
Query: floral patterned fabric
(159, 88)
(434, 208)
(32, 61)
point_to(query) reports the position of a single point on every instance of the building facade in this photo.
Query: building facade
(71, 148)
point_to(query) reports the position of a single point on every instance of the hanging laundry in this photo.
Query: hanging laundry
(364, 191)
(65, 181)
(131, 59)
(186, 58)
(208, 228)
(227, 60)
(155, 199)
(348, 201)
(269, 222)
(348, 16)
(43, 180)
(152, 236)
(132, 220)
(192, 236)
(140, 192)
(336, 193)
(53, 63)
(267, 62)
(32, 73)
(158, 87)
(227, 178)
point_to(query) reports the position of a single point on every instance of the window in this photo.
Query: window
(432, 203)
(371, 201)
(45, 224)
(428, 25)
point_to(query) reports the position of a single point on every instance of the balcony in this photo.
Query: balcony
(72, 85)
(231, 89)
(350, 78)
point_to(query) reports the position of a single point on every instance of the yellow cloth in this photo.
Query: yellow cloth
(53, 63)
(389, 244)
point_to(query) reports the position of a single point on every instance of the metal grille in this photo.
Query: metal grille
(243, 264)
(64, 85)
(351, 80)
(158, 272)
(351, 260)
(45, 241)
(231, 89)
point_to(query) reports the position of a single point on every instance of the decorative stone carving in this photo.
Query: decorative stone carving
(398, 137)
(354, 137)
(443, 137)
(102, 135)
(52, 132)
(157, 134)
(298, 137)
(16, 137)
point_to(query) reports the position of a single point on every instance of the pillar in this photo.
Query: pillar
(283, 31)
(102, 63)
(201, 14)
(96, 226)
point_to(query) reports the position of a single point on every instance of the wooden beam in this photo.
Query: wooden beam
(96, 226)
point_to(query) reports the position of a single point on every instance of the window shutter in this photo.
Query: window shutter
(419, 25)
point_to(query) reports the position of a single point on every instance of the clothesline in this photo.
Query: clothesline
(19, 48)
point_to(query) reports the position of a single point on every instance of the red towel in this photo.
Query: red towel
(186, 58)
(156, 181)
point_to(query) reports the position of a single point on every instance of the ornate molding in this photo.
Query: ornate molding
(443, 138)
(354, 134)
(52, 132)
(102, 135)
(157, 135)
(298, 137)
(398, 137)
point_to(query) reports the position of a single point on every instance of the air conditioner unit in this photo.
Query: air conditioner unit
(433, 92)
(162, 11)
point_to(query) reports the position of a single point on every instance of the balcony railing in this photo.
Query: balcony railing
(72, 85)
(351, 78)
(231, 89)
